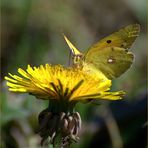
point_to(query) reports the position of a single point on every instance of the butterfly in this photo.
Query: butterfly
(110, 56)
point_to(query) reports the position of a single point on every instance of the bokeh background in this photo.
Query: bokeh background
(31, 34)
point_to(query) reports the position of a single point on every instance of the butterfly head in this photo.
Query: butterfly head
(77, 60)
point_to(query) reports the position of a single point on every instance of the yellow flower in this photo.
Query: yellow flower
(57, 82)
(63, 87)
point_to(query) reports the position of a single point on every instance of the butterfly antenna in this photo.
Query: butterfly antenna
(70, 56)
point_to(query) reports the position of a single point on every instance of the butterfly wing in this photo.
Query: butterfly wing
(111, 61)
(76, 54)
(110, 55)
(73, 49)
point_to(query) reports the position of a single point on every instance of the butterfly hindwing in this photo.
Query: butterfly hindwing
(112, 61)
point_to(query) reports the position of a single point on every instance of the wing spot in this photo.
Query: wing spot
(124, 44)
(108, 41)
(111, 60)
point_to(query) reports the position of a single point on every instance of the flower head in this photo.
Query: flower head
(63, 87)
(57, 82)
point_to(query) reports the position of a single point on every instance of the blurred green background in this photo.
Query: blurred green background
(31, 34)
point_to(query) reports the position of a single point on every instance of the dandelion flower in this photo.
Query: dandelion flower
(59, 83)
(63, 87)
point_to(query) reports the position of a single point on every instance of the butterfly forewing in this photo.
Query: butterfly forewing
(123, 38)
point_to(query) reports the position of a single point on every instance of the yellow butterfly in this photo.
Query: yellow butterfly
(110, 55)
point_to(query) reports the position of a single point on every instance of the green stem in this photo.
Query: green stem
(57, 106)
(57, 143)
(50, 146)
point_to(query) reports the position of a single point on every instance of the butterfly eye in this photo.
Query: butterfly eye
(77, 59)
